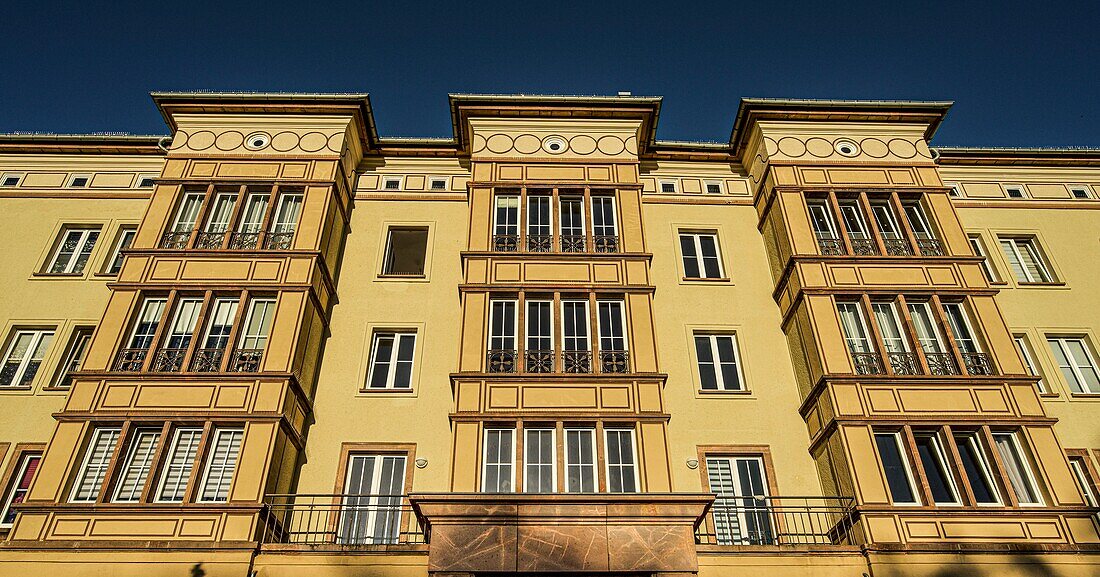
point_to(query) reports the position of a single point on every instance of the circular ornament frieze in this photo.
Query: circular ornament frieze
(257, 140)
(582, 144)
(527, 144)
(201, 140)
(230, 140)
(554, 144)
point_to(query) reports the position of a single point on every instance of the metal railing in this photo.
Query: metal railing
(245, 361)
(175, 240)
(930, 247)
(278, 240)
(576, 362)
(244, 240)
(207, 360)
(538, 361)
(904, 363)
(614, 362)
(897, 247)
(605, 243)
(977, 364)
(505, 242)
(168, 360)
(500, 361)
(210, 239)
(830, 246)
(735, 521)
(573, 243)
(941, 364)
(130, 360)
(341, 520)
(867, 363)
(540, 242)
(863, 246)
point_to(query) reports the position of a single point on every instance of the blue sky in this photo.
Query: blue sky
(1021, 74)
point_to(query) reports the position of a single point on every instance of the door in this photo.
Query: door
(373, 492)
(741, 508)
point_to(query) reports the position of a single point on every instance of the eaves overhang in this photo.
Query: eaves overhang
(1006, 156)
(46, 143)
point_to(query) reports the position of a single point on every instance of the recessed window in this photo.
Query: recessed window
(439, 184)
(405, 252)
(719, 365)
(93, 470)
(978, 246)
(371, 513)
(1079, 191)
(391, 183)
(1080, 470)
(540, 462)
(73, 250)
(1026, 260)
(976, 469)
(79, 181)
(668, 186)
(178, 464)
(1077, 363)
(899, 476)
(955, 189)
(74, 356)
(1018, 468)
(220, 465)
(257, 140)
(1024, 347)
(20, 486)
(391, 360)
(11, 179)
(714, 187)
(145, 181)
(737, 481)
(1014, 191)
(497, 473)
(933, 462)
(580, 460)
(23, 357)
(125, 239)
(137, 465)
(701, 255)
(622, 468)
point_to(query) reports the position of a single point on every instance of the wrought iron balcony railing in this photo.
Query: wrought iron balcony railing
(168, 360)
(897, 247)
(736, 521)
(538, 361)
(340, 520)
(278, 240)
(930, 247)
(500, 361)
(605, 243)
(540, 243)
(210, 239)
(867, 363)
(977, 364)
(131, 360)
(863, 246)
(207, 360)
(244, 240)
(175, 240)
(904, 363)
(573, 243)
(245, 361)
(577, 362)
(506, 242)
(941, 364)
(830, 246)
(614, 362)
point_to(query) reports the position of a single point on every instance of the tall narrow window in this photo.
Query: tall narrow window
(72, 252)
(1028, 357)
(499, 459)
(572, 224)
(914, 213)
(258, 324)
(136, 467)
(406, 250)
(940, 361)
(1017, 468)
(859, 234)
(506, 223)
(580, 460)
(20, 486)
(1080, 470)
(125, 239)
(217, 222)
(960, 325)
(979, 250)
(186, 216)
(220, 465)
(145, 328)
(391, 361)
(373, 489)
(93, 470)
(935, 468)
(178, 464)
(540, 224)
(502, 336)
(622, 472)
(899, 477)
(719, 366)
(889, 230)
(701, 256)
(741, 509)
(170, 357)
(24, 357)
(540, 469)
(604, 230)
(1025, 260)
(576, 350)
(821, 218)
(857, 337)
(208, 357)
(251, 223)
(74, 356)
(281, 235)
(976, 469)
(1077, 363)
(613, 356)
(894, 340)
(539, 349)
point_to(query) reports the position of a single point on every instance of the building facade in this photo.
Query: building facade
(274, 343)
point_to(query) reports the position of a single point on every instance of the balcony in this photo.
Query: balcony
(941, 364)
(868, 363)
(217, 240)
(572, 362)
(340, 521)
(168, 360)
(930, 247)
(897, 247)
(863, 246)
(567, 243)
(830, 246)
(131, 360)
(904, 363)
(204, 360)
(207, 360)
(739, 521)
(977, 364)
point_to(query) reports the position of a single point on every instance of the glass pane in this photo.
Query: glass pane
(931, 459)
(691, 256)
(253, 219)
(703, 351)
(894, 467)
(383, 353)
(887, 322)
(507, 215)
(976, 469)
(1016, 468)
(286, 219)
(708, 245)
(572, 217)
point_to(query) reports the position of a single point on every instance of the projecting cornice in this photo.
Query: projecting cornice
(960, 155)
(81, 144)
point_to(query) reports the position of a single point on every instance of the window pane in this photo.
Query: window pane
(895, 468)
(887, 321)
(539, 334)
(286, 219)
(620, 461)
(497, 473)
(403, 374)
(220, 465)
(855, 332)
(575, 321)
(927, 333)
(603, 216)
(258, 324)
(1084, 363)
(708, 246)
(1019, 473)
(572, 217)
(691, 256)
(406, 250)
(507, 215)
(580, 468)
(935, 470)
(96, 461)
(383, 354)
(179, 463)
(611, 326)
(20, 486)
(135, 470)
(707, 377)
(502, 335)
(976, 469)
(538, 446)
(253, 218)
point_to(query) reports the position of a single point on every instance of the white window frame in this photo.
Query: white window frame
(37, 336)
(977, 244)
(18, 176)
(577, 229)
(699, 259)
(1023, 345)
(633, 463)
(176, 221)
(231, 457)
(116, 250)
(866, 338)
(614, 214)
(1073, 366)
(160, 303)
(891, 220)
(144, 467)
(182, 328)
(720, 380)
(246, 336)
(907, 465)
(976, 444)
(9, 499)
(622, 320)
(675, 186)
(496, 213)
(726, 533)
(432, 182)
(592, 468)
(279, 223)
(827, 212)
(1025, 463)
(101, 468)
(937, 337)
(74, 354)
(373, 504)
(956, 190)
(586, 325)
(233, 304)
(528, 225)
(1077, 464)
(386, 180)
(1031, 244)
(1021, 188)
(263, 201)
(971, 336)
(515, 325)
(708, 183)
(948, 470)
(187, 467)
(485, 464)
(553, 458)
(88, 235)
(527, 335)
(391, 368)
(920, 215)
(899, 326)
(856, 210)
(219, 198)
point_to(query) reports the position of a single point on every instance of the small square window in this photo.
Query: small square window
(668, 186)
(145, 181)
(956, 189)
(11, 179)
(714, 188)
(439, 184)
(79, 181)
(1079, 191)
(392, 184)
(405, 252)
(1014, 191)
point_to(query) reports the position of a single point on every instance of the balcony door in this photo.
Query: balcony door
(741, 507)
(371, 510)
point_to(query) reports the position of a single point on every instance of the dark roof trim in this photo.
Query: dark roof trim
(1067, 156)
(31, 143)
